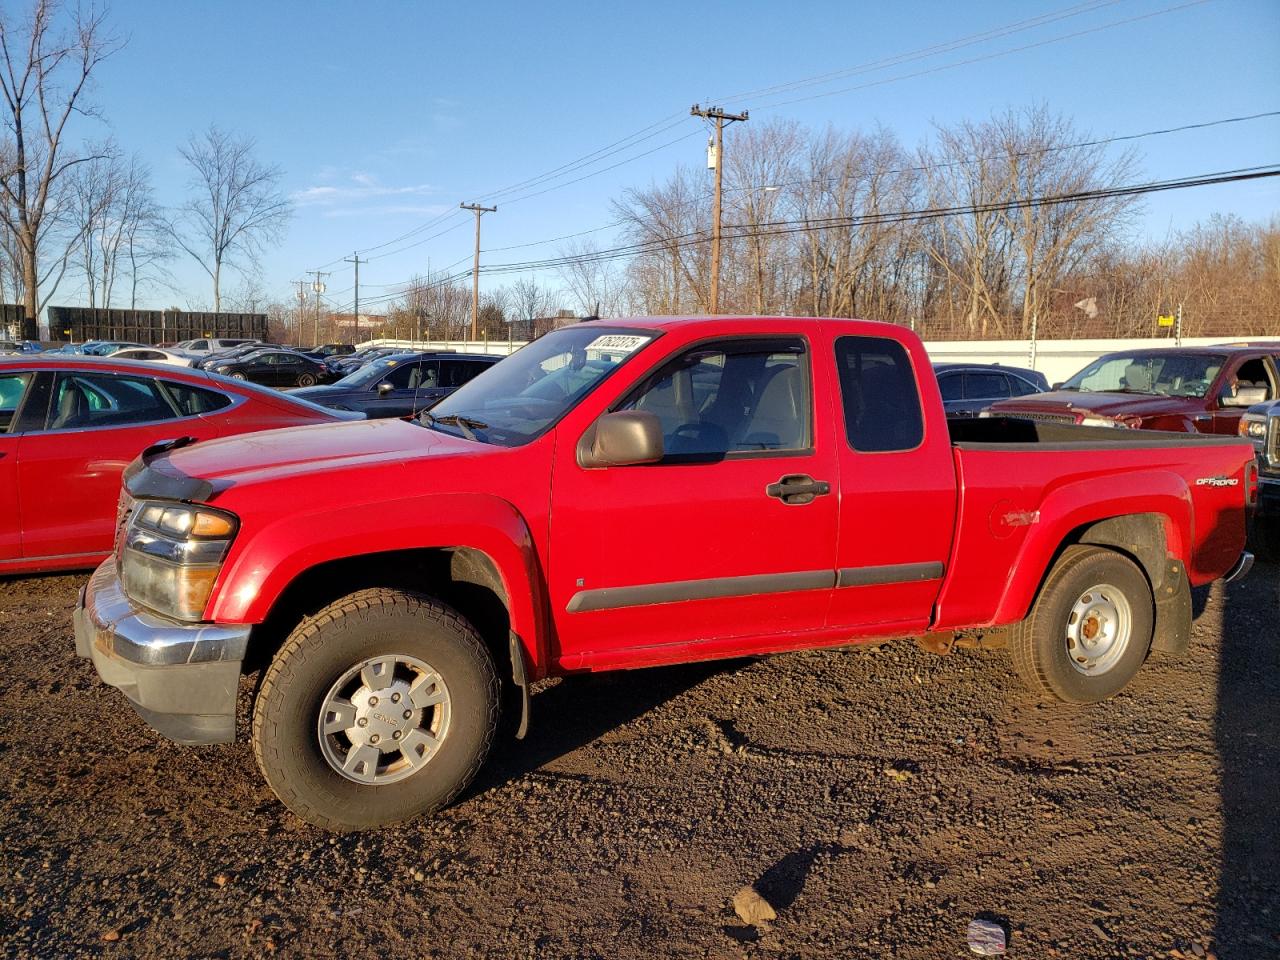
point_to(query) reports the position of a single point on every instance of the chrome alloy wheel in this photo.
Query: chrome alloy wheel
(384, 719)
(1098, 629)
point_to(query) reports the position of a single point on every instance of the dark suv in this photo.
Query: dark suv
(400, 385)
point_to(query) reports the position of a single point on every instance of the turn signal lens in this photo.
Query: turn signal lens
(211, 525)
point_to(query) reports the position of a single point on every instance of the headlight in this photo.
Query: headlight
(172, 554)
(1254, 429)
(1099, 422)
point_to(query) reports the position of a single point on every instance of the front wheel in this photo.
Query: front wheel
(1089, 630)
(380, 708)
(237, 376)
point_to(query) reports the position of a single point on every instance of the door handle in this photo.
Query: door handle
(798, 488)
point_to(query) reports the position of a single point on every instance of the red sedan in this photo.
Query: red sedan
(68, 428)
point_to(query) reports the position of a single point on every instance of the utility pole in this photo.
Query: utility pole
(355, 258)
(302, 299)
(479, 211)
(318, 286)
(715, 158)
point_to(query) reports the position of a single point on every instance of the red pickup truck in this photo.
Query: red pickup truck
(624, 494)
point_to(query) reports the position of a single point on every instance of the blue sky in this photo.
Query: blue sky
(385, 116)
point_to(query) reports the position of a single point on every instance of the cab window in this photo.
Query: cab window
(731, 398)
(878, 388)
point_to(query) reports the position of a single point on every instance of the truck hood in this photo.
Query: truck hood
(1117, 405)
(298, 451)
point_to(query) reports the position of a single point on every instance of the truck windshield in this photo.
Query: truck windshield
(524, 395)
(1166, 374)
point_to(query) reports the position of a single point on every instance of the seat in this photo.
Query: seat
(777, 422)
(1137, 376)
(73, 408)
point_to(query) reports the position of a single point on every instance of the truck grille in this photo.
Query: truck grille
(1044, 417)
(1271, 445)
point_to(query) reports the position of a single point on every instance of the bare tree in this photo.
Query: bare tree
(236, 204)
(45, 71)
(529, 301)
(596, 283)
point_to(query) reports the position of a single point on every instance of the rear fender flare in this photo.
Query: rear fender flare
(275, 555)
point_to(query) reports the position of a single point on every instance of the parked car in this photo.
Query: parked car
(104, 348)
(400, 385)
(210, 360)
(1261, 426)
(154, 355)
(1188, 389)
(330, 350)
(969, 388)
(275, 368)
(207, 345)
(69, 427)
(19, 346)
(626, 494)
(340, 366)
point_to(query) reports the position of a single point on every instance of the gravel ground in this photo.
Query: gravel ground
(879, 800)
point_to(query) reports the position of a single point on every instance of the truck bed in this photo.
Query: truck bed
(976, 433)
(1015, 511)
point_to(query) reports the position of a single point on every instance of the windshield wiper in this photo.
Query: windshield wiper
(466, 424)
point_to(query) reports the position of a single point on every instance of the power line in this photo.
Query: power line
(648, 132)
(784, 227)
(701, 198)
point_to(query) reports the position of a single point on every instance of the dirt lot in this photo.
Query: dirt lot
(879, 800)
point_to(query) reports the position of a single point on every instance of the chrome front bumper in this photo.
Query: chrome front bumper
(182, 678)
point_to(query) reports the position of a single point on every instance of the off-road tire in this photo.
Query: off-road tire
(367, 624)
(1038, 645)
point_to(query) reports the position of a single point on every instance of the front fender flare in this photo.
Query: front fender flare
(275, 554)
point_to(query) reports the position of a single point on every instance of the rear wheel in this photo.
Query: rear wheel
(1089, 629)
(307, 380)
(380, 708)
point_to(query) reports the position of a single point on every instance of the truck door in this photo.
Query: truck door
(1252, 372)
(897, 490)
(717, 540)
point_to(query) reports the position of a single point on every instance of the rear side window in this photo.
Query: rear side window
(194, 400)
(106, 400)
(1023, 388)
(454, 373)
(985, 386)
(881, 400)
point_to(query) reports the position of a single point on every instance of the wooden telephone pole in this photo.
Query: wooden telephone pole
(720, 117)
(479, 211)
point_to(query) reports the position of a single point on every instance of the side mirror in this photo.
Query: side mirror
(1056, 386)
(1244, 397)
(621, 439)
(384, 389)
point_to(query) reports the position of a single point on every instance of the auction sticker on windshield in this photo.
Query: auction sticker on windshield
(620, 342)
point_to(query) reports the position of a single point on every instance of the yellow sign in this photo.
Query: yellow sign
(1165, 320)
